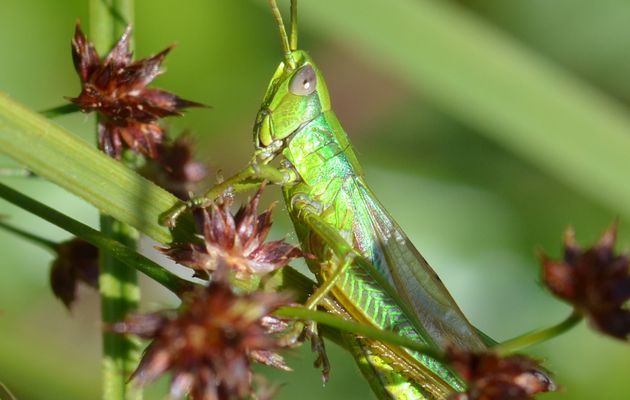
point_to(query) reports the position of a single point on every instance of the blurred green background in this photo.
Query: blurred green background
(475, 203)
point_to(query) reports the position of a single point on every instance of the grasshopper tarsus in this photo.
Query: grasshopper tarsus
(254, 175)
(318, 346)
(170, 217)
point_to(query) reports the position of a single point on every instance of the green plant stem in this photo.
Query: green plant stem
(341, 324)
(126, 255)
(120, 295)
(45, 243)
(538, 336)
(118, 284)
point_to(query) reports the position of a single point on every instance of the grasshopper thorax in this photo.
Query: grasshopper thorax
(295, 96)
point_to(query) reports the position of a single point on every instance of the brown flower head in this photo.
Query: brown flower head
(208, 346)
(77, 261)
(491, 377)
(595, 281)
(237, 241)
(116, 88)
(174, 169)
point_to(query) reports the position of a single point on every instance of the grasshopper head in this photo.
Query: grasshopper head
(296, 94)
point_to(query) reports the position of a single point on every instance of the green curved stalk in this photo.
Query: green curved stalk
(538, 336)
(367, 331)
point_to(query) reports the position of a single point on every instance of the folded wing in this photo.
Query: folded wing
(414, 280)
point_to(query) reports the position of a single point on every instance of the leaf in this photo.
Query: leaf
(56, 154)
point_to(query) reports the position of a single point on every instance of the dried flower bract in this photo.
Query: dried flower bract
(596, 281)
(237, 241)
(174, 169)
(77, 261)
(491, 377)
(116, 88)
(209, 346)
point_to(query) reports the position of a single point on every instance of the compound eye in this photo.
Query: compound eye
(304, 82)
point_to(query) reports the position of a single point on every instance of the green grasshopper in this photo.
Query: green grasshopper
(363, 260)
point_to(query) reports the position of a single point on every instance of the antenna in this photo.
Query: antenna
(284, 38)
(294, 25)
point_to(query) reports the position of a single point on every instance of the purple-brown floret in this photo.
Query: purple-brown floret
(115, 88)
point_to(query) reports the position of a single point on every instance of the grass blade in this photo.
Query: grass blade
(56, 154)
